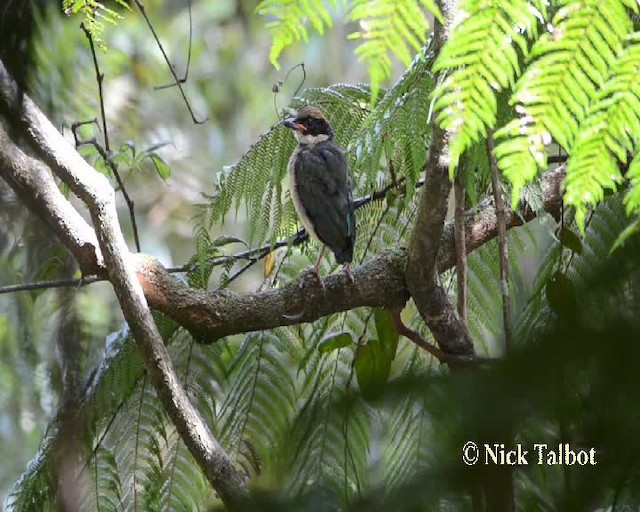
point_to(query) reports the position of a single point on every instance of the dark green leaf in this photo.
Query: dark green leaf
(373, 360)
(561, 294)
(223, 240)
(632, 229)
(570, 240)
(387, 332)
(335, 341)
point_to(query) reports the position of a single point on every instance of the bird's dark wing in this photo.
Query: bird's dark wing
(324, 192)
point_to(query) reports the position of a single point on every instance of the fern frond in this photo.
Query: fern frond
(609, 134)
(94, 13)
(570, 63)
(389, 27)
(256, 181)
(632, 199)
(289, 22)
(406, 447)
(330, 437)
(396, 118)
(261, 398)
(483, 54)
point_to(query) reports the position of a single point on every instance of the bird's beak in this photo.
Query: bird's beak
(291, 123)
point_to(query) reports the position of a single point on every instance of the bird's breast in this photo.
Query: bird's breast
(293, 190)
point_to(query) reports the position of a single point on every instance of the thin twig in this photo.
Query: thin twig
(60, 283)
(186, 71)
(413, 336)
(252, 256)
(106, 152)
(502, 243)
(169, 65)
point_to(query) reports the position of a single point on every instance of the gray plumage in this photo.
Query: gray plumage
(320, 186)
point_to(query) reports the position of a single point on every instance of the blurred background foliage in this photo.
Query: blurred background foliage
(230, 84)
(296, 407)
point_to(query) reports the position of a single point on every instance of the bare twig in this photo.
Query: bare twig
(106, 152)
(169, 65)
(186, 71)
(413, 336)
(502, 243)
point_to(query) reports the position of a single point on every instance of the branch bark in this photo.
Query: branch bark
(424, 285)
(33, 183)
(94, 189)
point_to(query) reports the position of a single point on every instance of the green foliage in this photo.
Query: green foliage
(373, 359)
(389, 27)
(94, 15)
(289, 20)
(570, 72)
(484, 55)
(386, 27)
(570, 68)
(609, 135)
(292, 405)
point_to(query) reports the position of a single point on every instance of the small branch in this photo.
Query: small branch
(106, 152)
(186, 71)
(170, 66)
(413, 336)
(502, 243)
(461, 252)
(41, 285)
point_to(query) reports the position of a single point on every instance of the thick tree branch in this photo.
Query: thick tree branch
(94, 189)
(423, 282)
(33, 183)
(209, 316)
(380, 282)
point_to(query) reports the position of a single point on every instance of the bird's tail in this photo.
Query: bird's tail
(345, 255)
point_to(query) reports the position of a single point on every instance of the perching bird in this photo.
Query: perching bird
(320, 186)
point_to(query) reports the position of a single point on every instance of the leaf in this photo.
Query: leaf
(162, 168)
(561, 295)
(570, 240)
(335, 341)
(269, 264)
(389, 27)
(288, 22)
(373, 360)
(631, 230)
(223, 240)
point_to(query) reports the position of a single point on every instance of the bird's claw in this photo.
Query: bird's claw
(313, 270)
(347, 270)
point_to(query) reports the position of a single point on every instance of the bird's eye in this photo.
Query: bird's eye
(310, 122)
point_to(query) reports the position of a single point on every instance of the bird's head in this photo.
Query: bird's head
(310, 126)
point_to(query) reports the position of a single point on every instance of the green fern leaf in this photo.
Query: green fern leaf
(632, 199)
(570, 62)
(608, 135)
(289, 22)
(482, 54)
(389, 27)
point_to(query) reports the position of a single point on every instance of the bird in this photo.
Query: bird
(320, 187)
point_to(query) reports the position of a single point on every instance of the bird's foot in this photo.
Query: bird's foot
(347, 270)
(312, 272)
